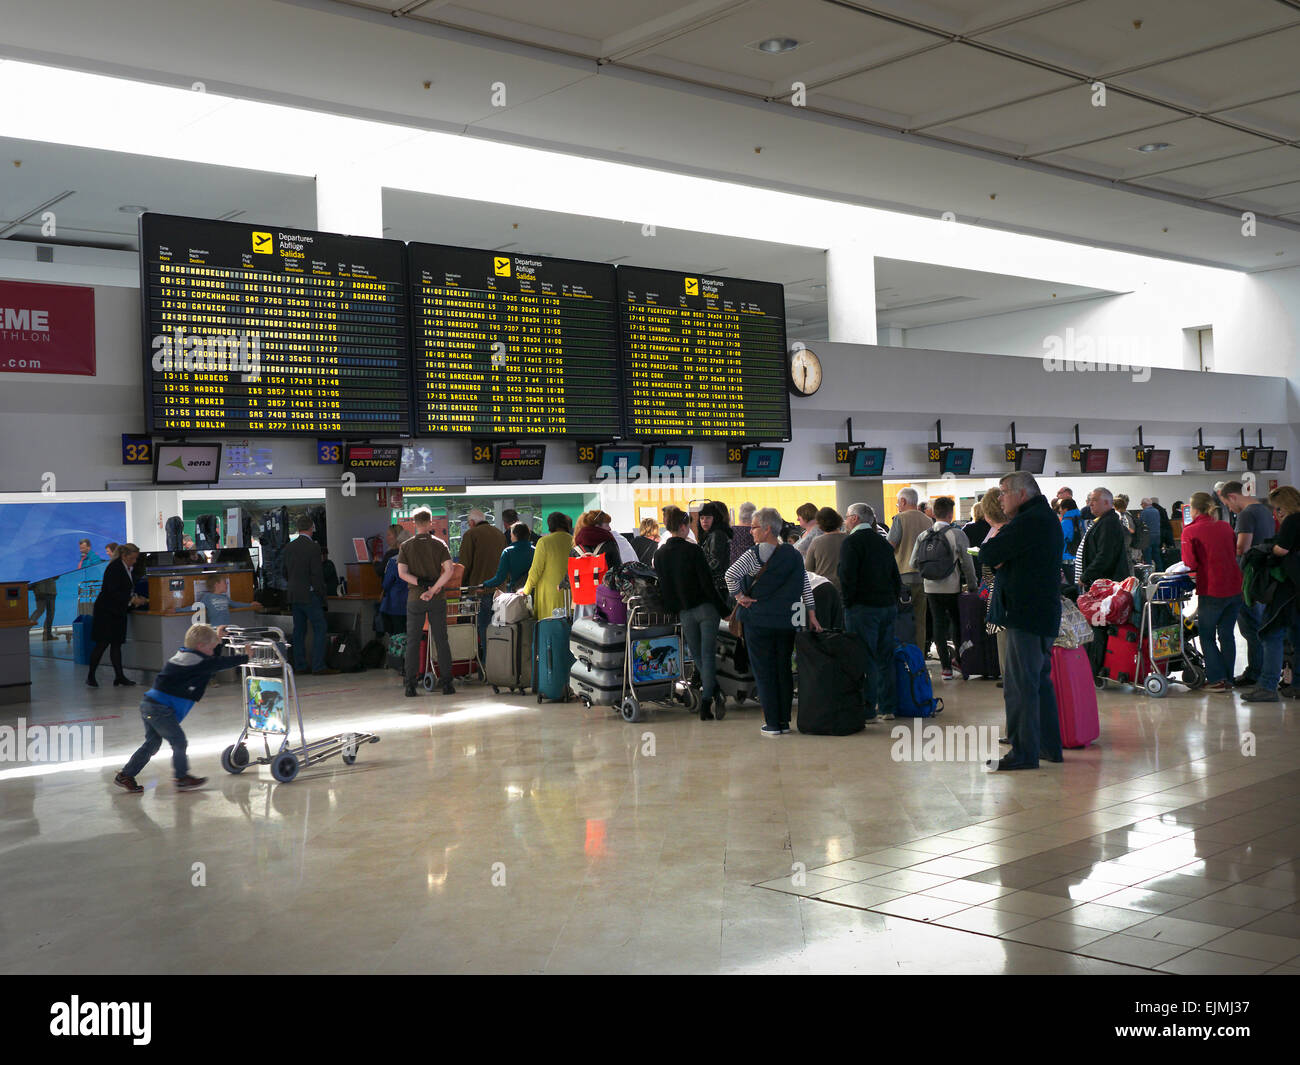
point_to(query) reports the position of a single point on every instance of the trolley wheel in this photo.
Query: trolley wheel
(1100, 683)
(496, 690)
(285, 766)
(691, 700)
(742, 696)
(719, 706)
(631, 709)
(1157, 685)
(348, 759)
(586, 703)
(427, 681)
(234, 759)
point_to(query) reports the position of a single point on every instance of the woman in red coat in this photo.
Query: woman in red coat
(1210, 550)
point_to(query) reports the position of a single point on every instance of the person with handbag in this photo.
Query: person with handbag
(688, 591)
(773, 598)
(514, 563)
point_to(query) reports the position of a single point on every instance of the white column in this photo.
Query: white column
(349, 200)
(851, 292)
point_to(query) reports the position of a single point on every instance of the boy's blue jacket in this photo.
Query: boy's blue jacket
(184, 678)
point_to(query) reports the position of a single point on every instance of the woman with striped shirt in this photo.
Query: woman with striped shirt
(773, 598)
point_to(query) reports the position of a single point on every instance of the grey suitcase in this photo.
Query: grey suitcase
(598, 645)
(508, 661)
(734, 678)
(604, 687)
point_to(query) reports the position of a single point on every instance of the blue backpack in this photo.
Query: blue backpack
(915, 695)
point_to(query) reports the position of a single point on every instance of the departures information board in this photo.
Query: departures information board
(703, 356)
(256, 329)
(512, 344)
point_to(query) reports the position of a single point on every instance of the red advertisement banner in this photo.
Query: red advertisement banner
(48, 329)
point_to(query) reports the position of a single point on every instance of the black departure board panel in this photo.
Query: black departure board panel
(703, 356)
(513, 344)
(321, 319)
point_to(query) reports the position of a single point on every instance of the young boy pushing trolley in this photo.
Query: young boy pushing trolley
(175, 690)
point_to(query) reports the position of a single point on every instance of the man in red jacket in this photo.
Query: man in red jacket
(1210, 551)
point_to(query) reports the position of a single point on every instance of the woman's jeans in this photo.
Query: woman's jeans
(770, 651)
(1270, 670)
(1216, 620)
(700, 627)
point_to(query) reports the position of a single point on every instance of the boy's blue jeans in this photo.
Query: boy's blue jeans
(159, 724)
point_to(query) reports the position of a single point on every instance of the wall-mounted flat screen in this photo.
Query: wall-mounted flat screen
(1216, 460)
(510, 343)
(1157, 460)
(1031, 459)
(762, 462)
(671, 456)
(1260, 458)
(1277, 460)
(257, 329)
(957, 460)
(619, 459)
(186, 463)
(520, 462)
(376, 463)
(703, 356)
(1095, 460)
(867, 462)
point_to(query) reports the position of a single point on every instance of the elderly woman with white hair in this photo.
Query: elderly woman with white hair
(773, 598)
(742, 539)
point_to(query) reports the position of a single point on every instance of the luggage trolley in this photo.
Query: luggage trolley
(652, 664)
(1167, 647)
(267, 689)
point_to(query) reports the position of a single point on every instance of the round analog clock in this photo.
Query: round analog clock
(805, 372)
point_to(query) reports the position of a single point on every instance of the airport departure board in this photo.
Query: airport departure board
(703, 356)
(257, 329)
(510, 344)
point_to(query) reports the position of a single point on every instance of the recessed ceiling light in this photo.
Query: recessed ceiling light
(1154, 146)
(776, 45)
(132, 208)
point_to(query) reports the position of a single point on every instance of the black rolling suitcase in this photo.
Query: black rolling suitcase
(905, 623)
(978, 648)
(832, 683)
(734, 677)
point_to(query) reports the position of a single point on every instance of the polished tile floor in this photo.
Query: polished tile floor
(491, 834)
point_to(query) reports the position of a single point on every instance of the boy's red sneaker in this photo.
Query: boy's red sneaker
(189, 783)
(127, 784)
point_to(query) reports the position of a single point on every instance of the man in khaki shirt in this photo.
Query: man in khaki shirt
(480, 552)
(424, 562)
(910, 523)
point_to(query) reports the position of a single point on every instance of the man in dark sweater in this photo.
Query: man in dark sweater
(870, 586)
(1102, 556)
(688, 591)
(1026, 554)
(178, 686)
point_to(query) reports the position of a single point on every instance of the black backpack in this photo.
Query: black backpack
(935, 558)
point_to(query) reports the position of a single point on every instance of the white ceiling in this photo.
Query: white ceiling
(101, 183)
(979, 107)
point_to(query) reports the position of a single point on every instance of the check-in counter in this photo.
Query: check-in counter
(15, 649)
(174, 584)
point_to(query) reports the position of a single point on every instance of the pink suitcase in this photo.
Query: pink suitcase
(1076, 696)
(610, 605)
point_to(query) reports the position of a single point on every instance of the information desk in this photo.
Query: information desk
(15, 645)
(253, 329)
(703, 356)
(513, 344)
(363, 582)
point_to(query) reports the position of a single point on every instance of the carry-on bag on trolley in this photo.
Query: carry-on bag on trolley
(1076, 696)
(508, 660)
(832, 683)
(977, 648)
(1122, 657)
(610, 605)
